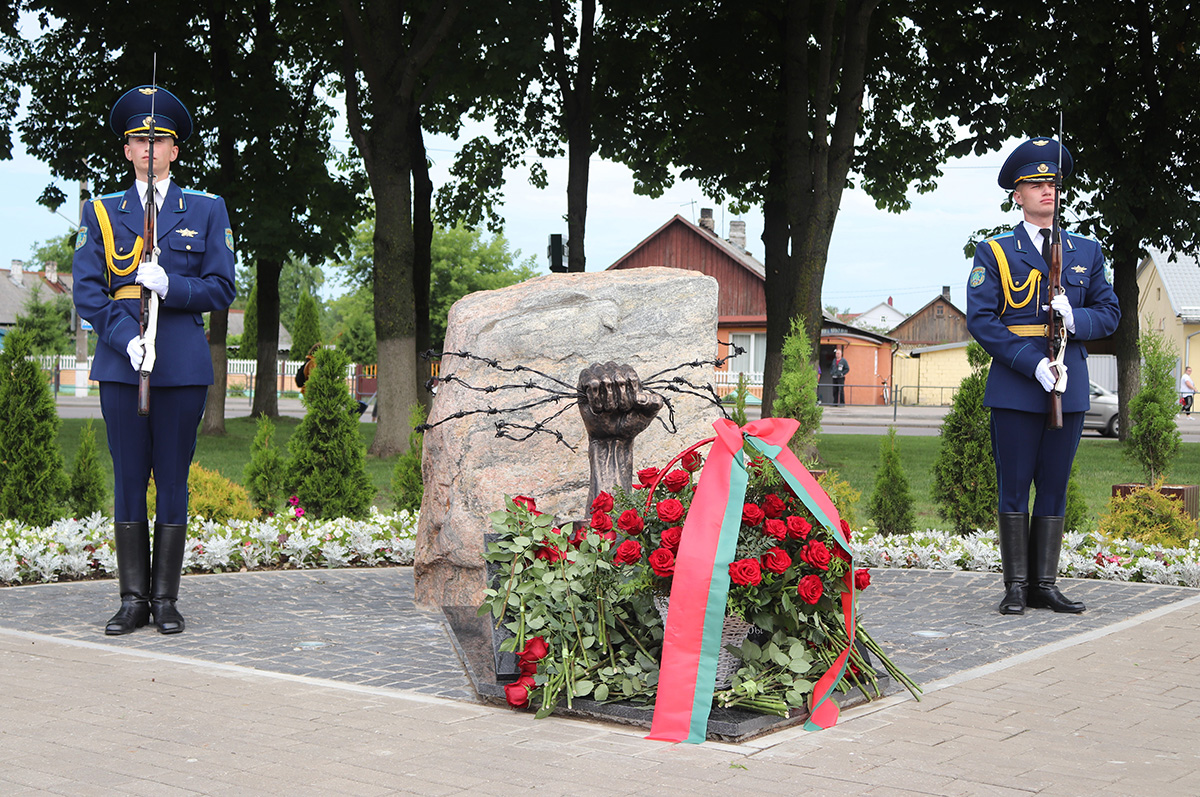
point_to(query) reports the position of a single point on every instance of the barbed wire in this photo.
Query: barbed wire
(557, 391)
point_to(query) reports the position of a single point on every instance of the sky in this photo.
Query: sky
(874, 255)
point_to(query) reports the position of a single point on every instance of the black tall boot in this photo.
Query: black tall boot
(1014, 560)
(170, 541)
(1045, 544)
(133, 574)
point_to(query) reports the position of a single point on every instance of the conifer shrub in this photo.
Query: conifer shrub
(306, 330)
(326, 456)
(210, 496)
(248, 348)
(844, 497)
(86, 493)
(964, 472)
(263, 474)
(1153, 440)
(1148, 516)
(407, 484)
(1077, 518)
(796, 393)
(738, 398)
(892, 503)
(32, 481)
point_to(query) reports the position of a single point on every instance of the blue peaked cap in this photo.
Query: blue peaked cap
(131, 114)
(1035, 161)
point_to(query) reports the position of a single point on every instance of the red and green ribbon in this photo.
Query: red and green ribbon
(700, 585)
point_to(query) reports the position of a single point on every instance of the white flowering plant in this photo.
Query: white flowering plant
(73, 549)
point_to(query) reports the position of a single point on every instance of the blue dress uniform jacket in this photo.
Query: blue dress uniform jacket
(196, 244)
(991, 310)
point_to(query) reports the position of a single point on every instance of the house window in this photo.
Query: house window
(939, 311)
(754, 359)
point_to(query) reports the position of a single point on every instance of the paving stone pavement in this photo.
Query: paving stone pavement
(334, 682)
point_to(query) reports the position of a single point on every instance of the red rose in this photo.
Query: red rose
(841, 553)
(810, 589)
(846, 530)
(527, 667)
(526, 502)
(601, 522)
(676, 480)
(752, 515)
(670, 510)
(691, 461)
(662, 562)
(603, 503)
(776, 560)
(862, 579)
(773, 506)
(798, 528)
(775, 528)
(647, 476)
(746, 572)
(628, 552)
(551, 553)
(630, 522)
(670, 538)
(517, 693)
(816, 554)
(535, 649)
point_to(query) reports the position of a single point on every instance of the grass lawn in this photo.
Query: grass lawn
(1099, 465)
(229, 454)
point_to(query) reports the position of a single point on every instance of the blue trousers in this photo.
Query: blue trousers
(1026, 453)
(162, 442)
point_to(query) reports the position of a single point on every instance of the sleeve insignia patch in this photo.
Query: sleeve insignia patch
(978, 274)
(229, 238)
(81, 239)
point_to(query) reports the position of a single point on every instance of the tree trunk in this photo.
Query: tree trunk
(266, 382)
(777, 263)
(1127, 253)
(395, 305)
(422, 256)
(577, 119)
(214, 404)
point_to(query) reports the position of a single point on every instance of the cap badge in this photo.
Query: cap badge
(147, 91)
(1043, 168)
(1040, 143)
(148, 121)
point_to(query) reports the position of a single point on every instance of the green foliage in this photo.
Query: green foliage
(211, 496)
(306, 329)
(47, 324)
(263, 475)
(60, 249)
(964, 473)
(892, 504)
(1076, 518)
(738, 398)
(1154, 438)
(32, 482)
(796, 393)
(407, 484)
(844, 497)
(352, 316)
(297, 278)
(248, 349)
(327, 460)
(1148, 516)
(86, 493)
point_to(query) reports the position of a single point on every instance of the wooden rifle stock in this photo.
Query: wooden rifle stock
(1054, 420)
(149, 239)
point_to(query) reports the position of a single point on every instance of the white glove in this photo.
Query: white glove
(1044, 375)
(137, 351)
(1062, 305)
(153, 277)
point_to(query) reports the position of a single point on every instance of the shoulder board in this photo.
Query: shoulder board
(1082, 237)
(191, 192)
(113, 195)
(1008, 234)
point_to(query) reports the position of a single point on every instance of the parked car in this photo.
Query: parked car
(1103, 415)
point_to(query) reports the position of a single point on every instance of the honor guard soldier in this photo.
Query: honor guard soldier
(192, 274)
(1008, 312)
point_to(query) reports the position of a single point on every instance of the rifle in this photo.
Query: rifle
(148, 314)
(1057, 330)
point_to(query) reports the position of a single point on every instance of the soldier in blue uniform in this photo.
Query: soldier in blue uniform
(194, 275)
(1007, 312)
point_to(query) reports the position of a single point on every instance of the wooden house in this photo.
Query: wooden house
(935, 324)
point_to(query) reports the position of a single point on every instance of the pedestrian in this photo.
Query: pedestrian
(1008, 312)
(192, 273)
(838, 374)
(1187, 391)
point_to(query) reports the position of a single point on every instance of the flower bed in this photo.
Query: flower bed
(79, 549)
